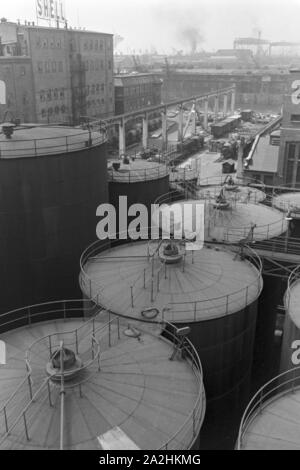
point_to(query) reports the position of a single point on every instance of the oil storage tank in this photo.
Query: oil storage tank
(96, 384)
(52, 180)
(140, 181)
(271, 420)
(226, 219)
(236, 189)
(290, 355)
(213, 291)
(289, 202)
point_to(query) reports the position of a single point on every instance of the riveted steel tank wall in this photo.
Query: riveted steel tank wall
(225, 346)
(47, 217)
(143, 192)
(295, 228)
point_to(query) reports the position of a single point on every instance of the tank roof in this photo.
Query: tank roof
(205, 284)
(272, 418)
(242, 193)
(46, 140)
(137, 170)
(292, 301)
(234, 223)
(139, 399)
(288, 202)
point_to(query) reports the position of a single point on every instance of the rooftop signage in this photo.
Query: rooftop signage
(51, 10)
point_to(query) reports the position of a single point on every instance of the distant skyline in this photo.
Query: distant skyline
(169, 25)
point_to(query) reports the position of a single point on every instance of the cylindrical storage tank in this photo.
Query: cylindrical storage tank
(225, 220)
(52, 180)
(140, 181)
(213, 291)
(290, 358)
(289, 203)
(272, 419)
(236, 189)
(120, 388)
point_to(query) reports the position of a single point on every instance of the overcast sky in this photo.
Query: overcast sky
(166, 24)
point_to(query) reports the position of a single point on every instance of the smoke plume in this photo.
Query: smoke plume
(192, 37)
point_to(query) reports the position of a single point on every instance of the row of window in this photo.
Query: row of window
(48, 43)
(92, 65)
(56, 43)
(94, 89)
(49, 95)
(55, 110)
(95, 45)
(138, 90)
(50, 66)
(94, 103)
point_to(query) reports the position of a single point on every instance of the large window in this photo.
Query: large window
(290, 165)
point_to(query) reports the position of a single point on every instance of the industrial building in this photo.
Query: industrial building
(275, 154)
(17, 74)
(71, 72)
(136, 91)
(158, 338)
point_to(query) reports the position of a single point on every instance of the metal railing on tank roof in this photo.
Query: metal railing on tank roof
(293, 279)
(190, 311)
(129, 175)
(190, 191)
(185, 436)
(279, 386)
(12, 148)
(16, 410)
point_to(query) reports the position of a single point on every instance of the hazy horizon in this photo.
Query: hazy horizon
(171, 25)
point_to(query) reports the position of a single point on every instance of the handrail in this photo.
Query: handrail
(58, 144)
(136, 175)
(264, 231)
(200, 405)
(280, 245)
(29, 318)
(62, 395)
(87, 283)
(64, 333)
(255, 262)
(66, 306)
(192, 423)
(292, 281)
(265, 129)
(263, 397)
(95, 357)
(240, 181)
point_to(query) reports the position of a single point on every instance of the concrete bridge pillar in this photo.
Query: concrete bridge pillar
(233, 101)
(205, 124)
(225, 105)
(122, 138)
(180, 125)
(194, 118)
(164, 130)
(145, 131)
(216, 107)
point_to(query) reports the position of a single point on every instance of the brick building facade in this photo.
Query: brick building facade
(72, 70)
